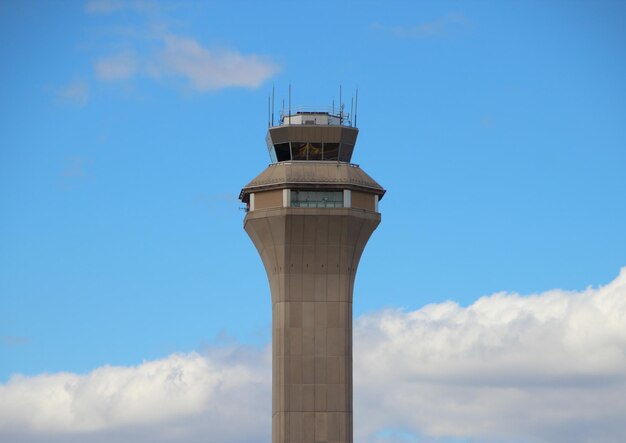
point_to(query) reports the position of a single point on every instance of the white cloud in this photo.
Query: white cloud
(152, 51)
(77, 93)
(436, 28)
(120, 66)
(13, 340)
(550, 367)
(185, 58)
(487, 120)
(104, 6)
(207, 70)
(76, 167)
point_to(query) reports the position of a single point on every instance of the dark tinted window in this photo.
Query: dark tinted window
(282, 152)
(331, 151)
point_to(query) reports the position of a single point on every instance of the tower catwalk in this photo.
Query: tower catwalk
(310, 214)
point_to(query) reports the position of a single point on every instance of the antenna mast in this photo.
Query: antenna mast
(351, 109)
(340, 105)
(272, 105)
(356, 104)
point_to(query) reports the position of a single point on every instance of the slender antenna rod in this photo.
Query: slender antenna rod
(351, 109)
(289, 103)
(282, 112)
(268, 111)
(340, 105)
(272, 105)
(356, 104)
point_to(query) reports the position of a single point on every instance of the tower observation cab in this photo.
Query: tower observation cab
(312, 134)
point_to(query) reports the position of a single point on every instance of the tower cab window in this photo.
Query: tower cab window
(281, 152)
(316, 199)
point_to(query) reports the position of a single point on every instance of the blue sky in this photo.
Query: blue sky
(127, 130)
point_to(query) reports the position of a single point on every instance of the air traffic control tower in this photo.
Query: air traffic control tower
(310, 214)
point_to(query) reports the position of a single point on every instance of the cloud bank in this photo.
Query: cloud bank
(543, 368)
(182, 398)
(548, 367)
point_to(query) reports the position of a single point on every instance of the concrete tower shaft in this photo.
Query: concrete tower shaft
(311, 257)
(310, 221)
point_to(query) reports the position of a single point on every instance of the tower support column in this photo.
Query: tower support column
(311, 256)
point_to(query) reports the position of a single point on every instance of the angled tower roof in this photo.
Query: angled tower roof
(312, 175)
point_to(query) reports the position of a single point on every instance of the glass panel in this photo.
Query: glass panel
(317, 199)
(282, 152)
(331, 151)
(315, 151)
(299, 150)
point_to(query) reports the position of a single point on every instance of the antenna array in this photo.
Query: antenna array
(351, 117)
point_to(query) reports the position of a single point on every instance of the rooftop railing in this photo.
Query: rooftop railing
(333, 113)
